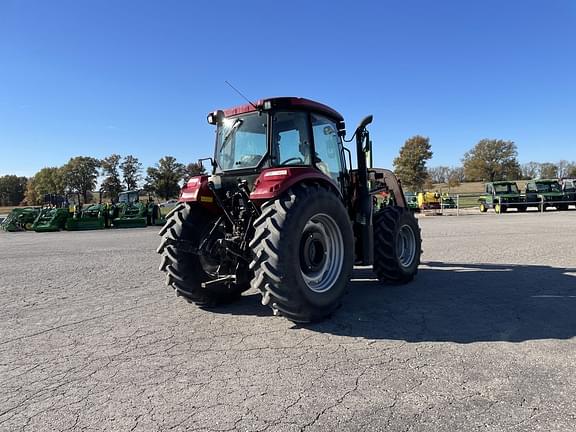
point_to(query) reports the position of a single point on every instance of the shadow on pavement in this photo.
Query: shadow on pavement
(248, 304)
(461, 303)
(451, 302)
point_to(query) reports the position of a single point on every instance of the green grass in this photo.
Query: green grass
(468, 201)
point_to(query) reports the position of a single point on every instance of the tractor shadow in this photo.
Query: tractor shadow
(248, 304)
(462, 303)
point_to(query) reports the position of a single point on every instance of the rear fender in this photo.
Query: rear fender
(196, 190)
(273, 182)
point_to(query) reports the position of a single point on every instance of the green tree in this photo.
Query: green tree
(111, 185)
(80, 175)
(30, 196)
(193, 169)
(492, 160)
(571, 172)
(49, 180)
(131, 171)
(12, 190)
(548, 170)
(163, 179)
(410, 165)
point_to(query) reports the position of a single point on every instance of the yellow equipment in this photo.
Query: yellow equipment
(429, 200)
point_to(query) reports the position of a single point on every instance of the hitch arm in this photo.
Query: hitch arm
(221, 204)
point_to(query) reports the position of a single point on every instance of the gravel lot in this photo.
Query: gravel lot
(483, 339)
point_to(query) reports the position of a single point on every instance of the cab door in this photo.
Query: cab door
(328, 154)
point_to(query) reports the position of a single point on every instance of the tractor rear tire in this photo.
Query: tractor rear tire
(397, 245)
(186, 271)
(303, 253)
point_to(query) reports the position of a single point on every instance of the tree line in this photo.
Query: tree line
(489, 160)
(80, 175)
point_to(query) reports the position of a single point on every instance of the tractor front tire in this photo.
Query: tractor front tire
(483, 208)
(303, 253)
(397, 245)
(188, 224)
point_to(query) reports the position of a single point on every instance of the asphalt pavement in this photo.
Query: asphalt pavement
(483, 339)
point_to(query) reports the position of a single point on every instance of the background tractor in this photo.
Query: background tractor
(88, 216)
(412, 201)
(284, 212)
(20, 219)
(501, 195)
(429, 200)
(53, 215)
(130, 212)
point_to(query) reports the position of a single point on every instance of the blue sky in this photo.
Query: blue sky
(96, 77)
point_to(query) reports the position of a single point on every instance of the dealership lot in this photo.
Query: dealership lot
(483, 339)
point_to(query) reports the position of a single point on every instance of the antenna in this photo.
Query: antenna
(238, 91)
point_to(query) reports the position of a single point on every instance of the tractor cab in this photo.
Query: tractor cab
(279, 133)
(128, 197)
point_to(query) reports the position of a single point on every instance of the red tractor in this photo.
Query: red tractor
(284, 212)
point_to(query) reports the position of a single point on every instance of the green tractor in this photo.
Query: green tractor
(50, 219)
(20, 219)
(88, 217)
(447, 201)
(545, 193)
(501, 195)
(130, 212)
(53, 215)
(412, 201)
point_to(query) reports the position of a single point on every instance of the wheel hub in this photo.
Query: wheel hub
(406, 249)
(321, 253)
(313, 252)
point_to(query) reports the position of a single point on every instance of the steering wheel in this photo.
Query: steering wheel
(293, 159)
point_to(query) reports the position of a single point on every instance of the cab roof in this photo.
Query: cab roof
(544, 181)
(287, 103)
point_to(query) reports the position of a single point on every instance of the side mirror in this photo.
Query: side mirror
(341, 126)
(216, 117)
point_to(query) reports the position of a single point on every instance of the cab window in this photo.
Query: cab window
(290, 139)
(327, 145)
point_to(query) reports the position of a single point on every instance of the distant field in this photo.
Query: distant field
(5, 210)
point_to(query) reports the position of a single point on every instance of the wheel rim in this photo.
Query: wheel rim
(406, 246)
(321, 253)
